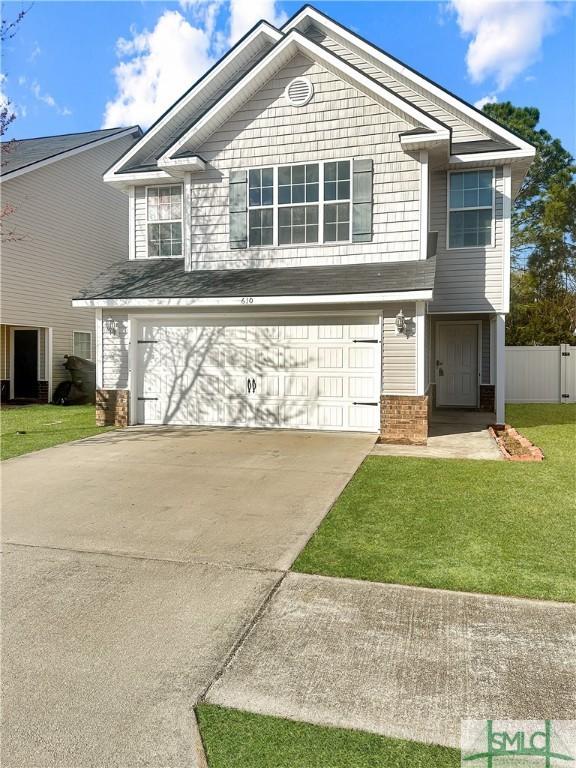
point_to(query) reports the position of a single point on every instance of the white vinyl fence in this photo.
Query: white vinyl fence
(541, 374)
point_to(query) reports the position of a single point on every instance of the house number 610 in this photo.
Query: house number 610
(247, 300)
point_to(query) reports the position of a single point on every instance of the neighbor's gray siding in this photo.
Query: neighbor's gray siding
(70, 226)
(467, 279)
(462, 129)
(338, 123)
(398, 353)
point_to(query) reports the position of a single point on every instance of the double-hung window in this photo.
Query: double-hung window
(298, 197)
(299, 204)
(82, 344)
(470, 209)
(164, 217)
(337, 213)
(261, 206)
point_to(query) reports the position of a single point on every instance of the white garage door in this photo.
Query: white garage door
(307, 373)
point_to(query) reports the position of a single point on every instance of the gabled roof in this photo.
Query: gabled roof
(25, 154)
(309, 14)
(244, 68)
(291, 44)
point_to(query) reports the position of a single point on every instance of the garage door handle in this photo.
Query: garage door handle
(147, 398)
(354, 403)
(366, 341)
(249, 386)
(253, 385)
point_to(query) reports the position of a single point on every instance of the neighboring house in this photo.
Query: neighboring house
(65, 227)
(319, 239)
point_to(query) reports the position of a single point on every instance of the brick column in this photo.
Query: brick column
(404, 419)
(487, 397)
(112, 407)
(43, 394)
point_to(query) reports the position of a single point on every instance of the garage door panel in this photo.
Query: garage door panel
(294, 372)
(331, 416)
(330, 386)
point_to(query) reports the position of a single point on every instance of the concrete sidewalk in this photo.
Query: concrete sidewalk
(402, 661)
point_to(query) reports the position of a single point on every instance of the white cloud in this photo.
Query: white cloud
(157, 66)
(36, 51)
(245, 13)
(48, 99)
(506, 35)
(485, 100)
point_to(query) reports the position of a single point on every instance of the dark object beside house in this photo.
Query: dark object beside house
(82, 387)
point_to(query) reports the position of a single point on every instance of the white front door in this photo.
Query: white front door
(305, 372)
(457, 365)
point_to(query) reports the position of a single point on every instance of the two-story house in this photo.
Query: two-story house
(61, 227)
(319, 239)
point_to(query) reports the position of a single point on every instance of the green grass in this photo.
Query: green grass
(233, 739)
(29, 428)
(480, 526)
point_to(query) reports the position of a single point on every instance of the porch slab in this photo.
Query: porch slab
(451, 435)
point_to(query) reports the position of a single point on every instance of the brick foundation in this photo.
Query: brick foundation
(487, 397)
(112, 407)
(404, 419)
(43, 394)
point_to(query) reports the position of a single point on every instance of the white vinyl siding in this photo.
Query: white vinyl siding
(398, 352)
(72, 227)
(114, 350)
(463, 129)
(467, 279)
(339, 122)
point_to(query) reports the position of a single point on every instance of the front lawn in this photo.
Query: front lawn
(479, 526)
(233, 739)
(28, 428)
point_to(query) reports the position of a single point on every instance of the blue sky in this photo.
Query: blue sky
(76, 66)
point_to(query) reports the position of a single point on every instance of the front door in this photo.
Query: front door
(457, 365)
(26, 363)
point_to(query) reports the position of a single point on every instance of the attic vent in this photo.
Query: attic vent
(299, 91)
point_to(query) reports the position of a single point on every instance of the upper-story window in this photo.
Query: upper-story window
(261, 202)
(299, 204)
(164, 220)
(470, 209)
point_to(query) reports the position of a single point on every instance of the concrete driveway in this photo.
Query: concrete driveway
(133, 564)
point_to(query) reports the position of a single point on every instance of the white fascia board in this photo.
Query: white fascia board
(409, 74)
(255, 301)
(428, 141)
(263, 29)
(183, 164)
(297, 43)
(502, 156)
(124, 181)
(69, 153)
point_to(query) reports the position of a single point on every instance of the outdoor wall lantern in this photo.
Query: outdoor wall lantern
(400, 323)
(111, 326)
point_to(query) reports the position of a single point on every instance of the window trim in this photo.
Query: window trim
(492, 243)
(321, 202)
(89, 333)
(165, 221)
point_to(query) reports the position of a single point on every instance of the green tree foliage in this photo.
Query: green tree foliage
(543, 284)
